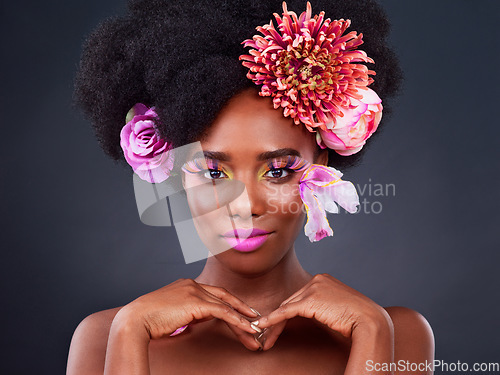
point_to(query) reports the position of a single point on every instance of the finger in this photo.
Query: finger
(234, 301)
(296, 294)
(212, 298)
(194, 321)
(247, 339)
(272, 334)
(285, 312)
(225, 313)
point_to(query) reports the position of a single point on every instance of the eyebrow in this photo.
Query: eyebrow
(222, 156)
(278, 153)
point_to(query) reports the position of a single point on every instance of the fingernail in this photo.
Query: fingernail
(260, 335)
(258, 342)
(256, 322)
(256, 329)
(255, 311)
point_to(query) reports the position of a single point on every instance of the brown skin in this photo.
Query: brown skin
(314, 324)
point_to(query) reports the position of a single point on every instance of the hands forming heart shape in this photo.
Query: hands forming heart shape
(158, 314)
(185, 301)
(325, 299)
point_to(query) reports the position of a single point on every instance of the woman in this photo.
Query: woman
(269, 126)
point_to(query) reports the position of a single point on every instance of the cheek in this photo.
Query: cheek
(196, 205)
(203, 204)
(205, 197)
(284, 200)
(210, 220)
(205, 207)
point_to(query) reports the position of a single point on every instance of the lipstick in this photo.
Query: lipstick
(246, 240)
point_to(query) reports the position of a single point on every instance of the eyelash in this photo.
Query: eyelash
(292, 165)
(197, 166)
(288, 170)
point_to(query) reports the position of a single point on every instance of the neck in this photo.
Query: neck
(263, 292)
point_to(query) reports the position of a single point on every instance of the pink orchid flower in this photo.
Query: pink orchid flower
(320, 187)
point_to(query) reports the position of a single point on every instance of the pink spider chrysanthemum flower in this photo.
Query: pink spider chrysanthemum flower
(309, 67)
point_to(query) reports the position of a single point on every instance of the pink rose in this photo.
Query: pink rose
(150, 157)
(351, 131)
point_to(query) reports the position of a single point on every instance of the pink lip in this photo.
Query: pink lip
(245, 233)
(246, 239)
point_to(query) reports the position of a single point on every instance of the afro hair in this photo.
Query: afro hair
(182, 56)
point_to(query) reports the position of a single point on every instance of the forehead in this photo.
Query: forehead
(249, 125)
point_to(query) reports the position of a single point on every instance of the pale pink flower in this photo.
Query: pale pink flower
(349, 133)
(148, 154)
(320, 187)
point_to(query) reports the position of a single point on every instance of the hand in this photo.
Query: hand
(329, 301)
(187, 302)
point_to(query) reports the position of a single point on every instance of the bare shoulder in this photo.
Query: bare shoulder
(413, 336)
(87, 351)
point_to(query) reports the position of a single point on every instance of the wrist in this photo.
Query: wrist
(377, 324)
(372, 340)
(129, 325)
(128, 343)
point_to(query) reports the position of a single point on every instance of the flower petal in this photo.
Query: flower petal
(321, 187)
(311, 70)
(150, 157)
(317, 226)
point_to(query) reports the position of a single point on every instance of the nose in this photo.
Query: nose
(250, 203)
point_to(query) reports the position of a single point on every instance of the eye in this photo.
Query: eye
(214, 174)
(277, 173)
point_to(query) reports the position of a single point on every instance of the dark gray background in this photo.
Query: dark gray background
(72, 242)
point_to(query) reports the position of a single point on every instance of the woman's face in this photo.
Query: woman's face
(252, 145)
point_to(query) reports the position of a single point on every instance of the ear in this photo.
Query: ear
(322, 157)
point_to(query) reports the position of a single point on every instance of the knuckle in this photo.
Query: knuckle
(319, 277)
(227, 309)
(191, 286)
(190, 282)
(224, 291)
(283, 309)
(315, 286)
(199, 312)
